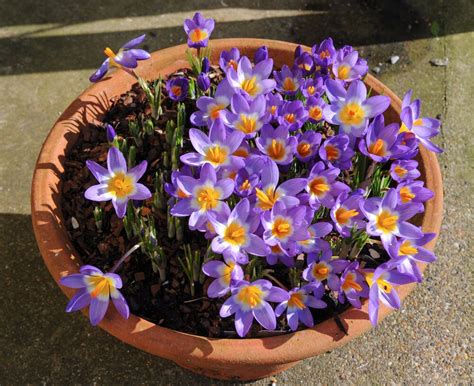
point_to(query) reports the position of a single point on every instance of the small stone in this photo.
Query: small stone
(139, 276)
(376, 69)
(374, 254)
(74, 223)
(394, 59)
(439, 62)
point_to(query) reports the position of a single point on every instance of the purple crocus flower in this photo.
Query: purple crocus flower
(305, 63)
(225, 273)
(249, 301)
(202, 196)
(198, 30)
(382, 142)
(314, 242)
(95, 289)
(308, 144)
(322, 186)
(297, 306)
(406, 253)
(284, 227)
(229, 59)
(248, 177)
(312, 87)
(381, 283)
(352, 285)
(315, 107)
(251, 81)
(117, 183)
(346, 214)
(325, 268)
(203, 81)
(347, 65)
(211, 109)
(235, 236)
(403, 170)
(260, 55)
(413, 191)
(172, 188)
(422, 128)
(288, 81)
(352, 109)
(324, 53)
(337, 152)
(217, 148)
(292, 114)
(126, 57)
(277, 144)
(388, 219)
(274, 101)
(247, 117)
(269, 193)
(177, 88)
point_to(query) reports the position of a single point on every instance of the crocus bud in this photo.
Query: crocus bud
(298, 52)
(203, 82)
(260, 55)
(111, 134)
(206, 66)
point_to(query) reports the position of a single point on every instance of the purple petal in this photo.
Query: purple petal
(374, 305)
(409, 231)
(120, 304)
(243, 322)
(140, 54)
(390, 299)
(228, 308)
(97, 310)
(134, 42)
(265, 316)
(182, 208)
(76, 280)
(376, 105)
(116, 161)
(125, 59)
(257, 246)
(199, 140)
(98, 193)
(306, 317)
(139, 170)
(142, 192)
(99, 172)
(277, 295)
(293, 320)
(99, 74)
(80, 300)
(120, 207)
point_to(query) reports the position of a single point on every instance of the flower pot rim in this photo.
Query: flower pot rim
(61, 258)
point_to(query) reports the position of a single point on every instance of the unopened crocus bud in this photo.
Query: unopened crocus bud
(111, 134)
(203, 82)
(298, 51)
(206, 65)
(260, 55)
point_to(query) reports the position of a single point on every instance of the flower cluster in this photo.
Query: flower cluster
(290, 172)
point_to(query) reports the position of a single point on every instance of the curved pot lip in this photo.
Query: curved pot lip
(61, 258)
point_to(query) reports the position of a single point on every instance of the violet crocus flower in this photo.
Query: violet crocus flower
(229, 59)
(381, 283)
(247, 117)
(308, 144)
(260, 55)
(198, 30)
(406, 253)
(217, 148)
(387, 218)
(203, 82)
(312, 87)
(251, 81)
(288, 81)
(235, 236)
(305, 63)
(117, 183)
(203, 195)
(404, 170)
(248, 177)
(413, 191)
(347, 65)
(315, 107)
(322, 187)
(346, 213)
(422, 128)
(172, 188)
(126, 57)
(298, 304)
(351, 109)
(381, 142)
(212, 109)
(177, 88)
(324, 53)
(352, 286)
(277, 144)
(284, 227)
(337, 152)
(224, 273)
(314, 242)
(270, 192)
(292, 114)
(325, 268)
(95, 289)
(274, 101)
(249, 301)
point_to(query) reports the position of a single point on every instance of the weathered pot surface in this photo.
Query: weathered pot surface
(239, 359)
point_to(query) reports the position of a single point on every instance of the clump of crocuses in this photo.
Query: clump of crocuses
(293, 176)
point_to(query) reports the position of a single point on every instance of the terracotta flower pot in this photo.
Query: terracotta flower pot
(242, 359)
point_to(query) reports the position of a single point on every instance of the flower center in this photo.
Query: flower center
(407, 249)
(325, 54)
(99, 286)
(232, 63)
(289, 84)
(235, 234)
(378, 148)
(406, 195)
(207, 198)
(250, 86)
(267, 199)
(384, 285)
(215, 111)
(216, 155)
(387, 221)
(321, 271)
(350, 282)
(332, 152)
(319, 186)
(272, 110)
(296, 300)
(343, 72)
(281, 228)
(315, 113)
(121, 185)
(311, 90)
(198, 35)
(290, 118)
(227, 273)
(352, 114)
(111, 55)
(343, 215)
(247, 124)
(304, 149)
(251, 296)
(400, 172)
(276, 150)
(176, 90)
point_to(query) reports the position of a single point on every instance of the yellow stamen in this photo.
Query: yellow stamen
(343, 215)
(266, 200)
(111, 55)
(399, 171)
(407, 249)
(99, 286)
(325, 54)
(241, 152)
(383, 284)
(176, 90)
(311, 90)
(350, 282)
(216, 155)
(296, 301)
(315, 113)
(182, 194)
(245, 185)
(247, 124)
(207, 198)
(304, 149)
(387, 221)
(281, 228)
(321, 271)
(318, 186)
(121, 185)
(290, 118)
(343, 72)
(250, 295)
(215, 111)
(276, 150)
(235, 234)
(406, 195)
(352, 114)
(378, 148)
(250, 86)
(232, 63)
(198, 35)
(289, 84)
(227, 273)
(332, 152)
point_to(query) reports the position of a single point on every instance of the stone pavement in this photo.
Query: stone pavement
(47, 51)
